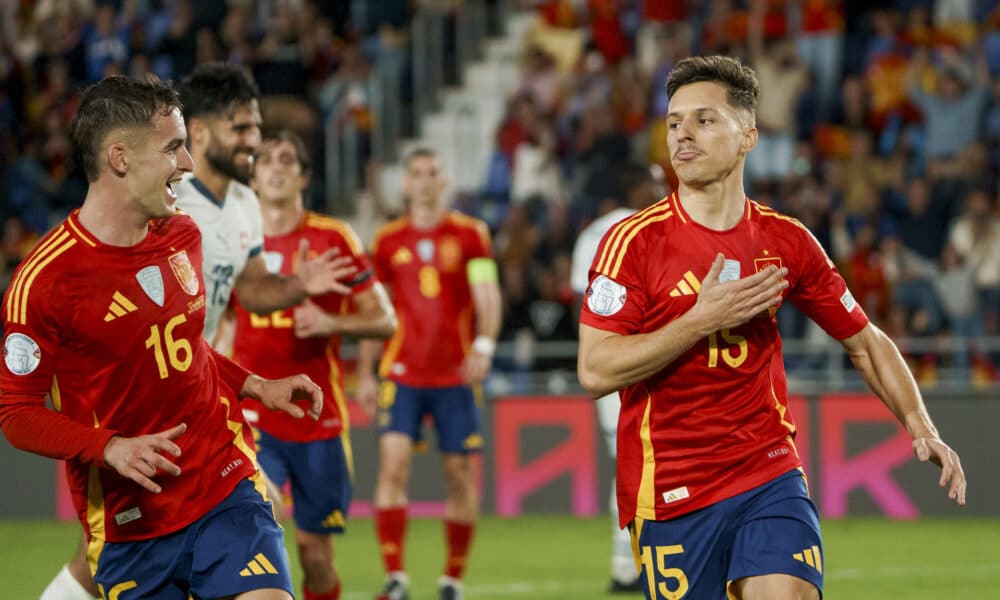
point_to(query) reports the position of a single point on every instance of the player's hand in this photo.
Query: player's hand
(476, 367)
(281, 394)
(313, 321)
(732, 303)
(367, 394)
(324, 273)
(939, 453)
(138, 458)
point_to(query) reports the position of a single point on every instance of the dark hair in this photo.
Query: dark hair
(742, 89)
(216, 88)
(115, 103)
(287, 135)
(419, 152)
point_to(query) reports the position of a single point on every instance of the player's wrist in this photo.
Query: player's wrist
(484, 345)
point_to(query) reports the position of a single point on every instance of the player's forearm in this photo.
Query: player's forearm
(233, 375)
(378, 324)
(269, 292)
(368, 352)
(882, 366)
(28, 425)
(608, 362)
(489, 314)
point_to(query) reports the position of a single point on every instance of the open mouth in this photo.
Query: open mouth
(170, 188)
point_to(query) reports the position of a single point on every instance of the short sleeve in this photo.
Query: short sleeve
(365, 276)
(256, 226)
(616, 297)
(478, 243)
(820, 292)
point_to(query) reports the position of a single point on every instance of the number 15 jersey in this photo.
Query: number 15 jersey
(715, 422)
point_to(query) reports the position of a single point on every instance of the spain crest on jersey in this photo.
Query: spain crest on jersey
(759, 264)
(185, 273)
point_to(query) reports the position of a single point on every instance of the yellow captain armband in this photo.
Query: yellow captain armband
(482, 270)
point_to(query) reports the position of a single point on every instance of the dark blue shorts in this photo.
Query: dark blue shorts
(455, 411)
(236, 547)
(320, 473)
(773, 528)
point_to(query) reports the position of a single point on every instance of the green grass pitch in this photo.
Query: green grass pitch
(549, 556)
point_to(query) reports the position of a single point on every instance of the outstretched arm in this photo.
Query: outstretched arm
(374, 317)
(883, 368)
(262, 292)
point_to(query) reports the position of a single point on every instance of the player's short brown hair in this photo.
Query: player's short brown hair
(742, 88)
(116, 102)
(419, 152)
(287, 135)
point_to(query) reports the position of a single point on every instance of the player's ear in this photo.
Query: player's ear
(197, 132)
(116, 155)
(749, 141)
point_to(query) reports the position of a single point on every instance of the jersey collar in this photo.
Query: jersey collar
(201, 187)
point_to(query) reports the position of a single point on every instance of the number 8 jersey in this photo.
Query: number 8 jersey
(715, 422)
(114, 335)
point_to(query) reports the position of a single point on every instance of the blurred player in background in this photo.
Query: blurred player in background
(222, 113)
(637, 189)
(106, 315)
(439, 269)
(680, 317)
(316, 459)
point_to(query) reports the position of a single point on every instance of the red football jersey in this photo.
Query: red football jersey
(115, 336)
(426, 273)
(266, 344)
(715, 422)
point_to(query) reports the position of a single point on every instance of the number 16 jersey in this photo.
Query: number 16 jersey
(114, 334)
(715, 422)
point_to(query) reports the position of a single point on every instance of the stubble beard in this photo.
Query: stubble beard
(223, 162)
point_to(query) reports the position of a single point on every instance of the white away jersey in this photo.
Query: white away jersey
(231, 231)
(586, 247)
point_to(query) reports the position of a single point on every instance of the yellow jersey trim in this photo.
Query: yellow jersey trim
(17, 311)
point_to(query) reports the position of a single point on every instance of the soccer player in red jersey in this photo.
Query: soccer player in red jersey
(679, 316)
(106, 317)
(223, 121)
(439, 269)
(315, 458)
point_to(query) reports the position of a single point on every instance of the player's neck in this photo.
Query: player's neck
(281, 217)
(718, 206)
(427, 216)
(216, 182)
(104, 217)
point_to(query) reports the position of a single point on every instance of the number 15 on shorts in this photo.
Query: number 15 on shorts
(663, 581)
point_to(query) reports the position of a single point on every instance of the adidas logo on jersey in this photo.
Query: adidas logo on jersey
(119, 307)
(258, 566)
(687, 286)
(811, 557)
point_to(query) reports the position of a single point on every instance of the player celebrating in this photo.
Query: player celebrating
(106, 315)
(222, 113)
(317, 458)
(637, 189)
(680, 317)
(223, 116)
(438, 266)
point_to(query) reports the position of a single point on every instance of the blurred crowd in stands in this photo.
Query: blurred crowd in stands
(879, 129)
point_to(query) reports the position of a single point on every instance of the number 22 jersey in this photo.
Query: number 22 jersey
(114, 335)
(715, 422)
